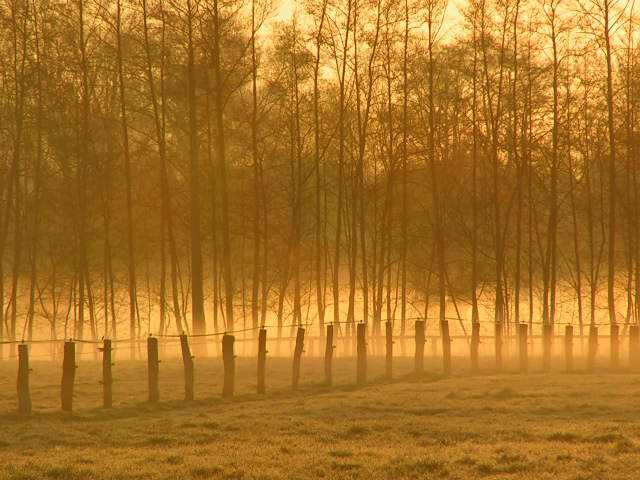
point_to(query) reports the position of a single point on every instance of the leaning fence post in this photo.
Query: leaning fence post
(297, 356)
(361, 353)
(389, 350)
(615, 346)
(498, 346)
(24, 396)
(546, 347)
(262, 359)
(419, 357)
(475, 346)
(593, 348)
(187, 361)
(634, 346)
(328, 356)
(522, 344)
(68, 375)
(568, 347)
(153, 369)
(446, 348)
(229, 365)
(107, 378)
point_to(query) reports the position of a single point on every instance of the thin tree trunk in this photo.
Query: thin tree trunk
(131, 260)
(197, 290)
(222, 167)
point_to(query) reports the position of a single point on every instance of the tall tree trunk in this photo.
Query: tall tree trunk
(222, 166)
(320, 264)
(611, 299)
(255, 283)
(405, 134)
(341, 154)
(197, 291)
(131, 259)
(159, 115)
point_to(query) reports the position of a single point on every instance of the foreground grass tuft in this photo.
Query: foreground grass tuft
(68, 473)
(416, 469)
(563, 437)
(206, 472)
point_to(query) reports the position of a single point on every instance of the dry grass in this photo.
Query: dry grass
(508, 426)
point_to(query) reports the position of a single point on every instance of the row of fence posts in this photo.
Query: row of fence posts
(228, 359)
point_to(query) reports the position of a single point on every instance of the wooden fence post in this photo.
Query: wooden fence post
(262, 360)
(522, 347)
(361, 335)
(24, 396)
(446, 348)
(634, 347)
(568, 347)
(593, 348)
(475, 347)
(297, 356)
(615, 346)
(187, 361)
(328, 357)
(419, 357)
(547, 330)
(107, 377)
(388, 331)
(229, 365)
(498, 346)
(153, 369)
(68, 375)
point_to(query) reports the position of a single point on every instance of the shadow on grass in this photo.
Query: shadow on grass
(141, 408)
(305, 390)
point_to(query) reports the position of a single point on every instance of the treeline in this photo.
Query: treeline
(209, 165)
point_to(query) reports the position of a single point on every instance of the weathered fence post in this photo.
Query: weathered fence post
(547, 330)
(229, 365)
(615, 346)
(262, 359)
(328, 357)
(475, 347)
(498, 346)
(593, 348)
(388, 331)
(187, 361)
(634, 347)
(522, 347)
(107, 377)
(297, 357)
(68, 375)
(24, 396)
(446, 348)
(568, 347)
(419, 357)
(153, 369)
(362, 353)
(351, 333)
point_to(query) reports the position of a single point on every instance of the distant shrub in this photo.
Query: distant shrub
(340, 453)
(506, 392)
(354, 431)
(158, 441)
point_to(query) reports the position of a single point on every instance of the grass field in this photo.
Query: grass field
(536, 426)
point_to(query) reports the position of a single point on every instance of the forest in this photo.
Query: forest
(212, 165)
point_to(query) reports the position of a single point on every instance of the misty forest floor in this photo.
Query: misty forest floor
(536, 426)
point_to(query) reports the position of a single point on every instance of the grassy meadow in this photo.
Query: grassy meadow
(507, 426)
